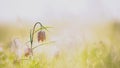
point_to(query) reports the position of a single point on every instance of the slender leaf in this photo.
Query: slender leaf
(41, 28)
(43, 44)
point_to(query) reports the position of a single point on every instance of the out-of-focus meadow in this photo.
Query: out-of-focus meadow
(81, 33)
(94, 46)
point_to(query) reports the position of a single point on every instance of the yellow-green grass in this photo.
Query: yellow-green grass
(102, 50)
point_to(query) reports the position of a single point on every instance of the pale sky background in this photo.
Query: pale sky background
(88, 10)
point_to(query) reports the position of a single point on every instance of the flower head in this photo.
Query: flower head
(41, 36)
(28, 51)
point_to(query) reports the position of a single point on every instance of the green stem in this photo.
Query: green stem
(32, 33)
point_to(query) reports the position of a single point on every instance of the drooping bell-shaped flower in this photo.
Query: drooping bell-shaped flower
(41, 36)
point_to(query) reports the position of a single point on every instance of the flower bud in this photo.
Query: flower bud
(41, 36)
(28, 51)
